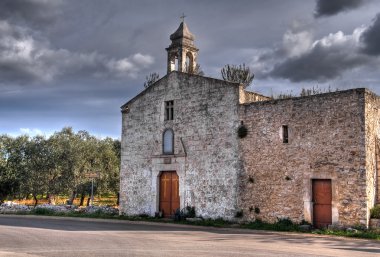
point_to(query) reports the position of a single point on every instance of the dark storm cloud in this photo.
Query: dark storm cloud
(300, 58)
(16, 47)
(30, 12)
(371, 38)
(332, 7)
(320, 64)
(25, 58)
(81, 60)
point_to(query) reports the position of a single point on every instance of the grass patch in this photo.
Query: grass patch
(366, 234)
(43, 211)
(280, 225)
(96, 215)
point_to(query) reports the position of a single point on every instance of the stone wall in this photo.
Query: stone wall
(326, 141)
(372, 129)
(206, 145)
(249, 97)
(374, 223)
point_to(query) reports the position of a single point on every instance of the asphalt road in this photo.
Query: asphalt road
(53, 236)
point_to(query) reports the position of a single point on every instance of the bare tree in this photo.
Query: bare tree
(151, 79)
(197, 70)
(238, 73)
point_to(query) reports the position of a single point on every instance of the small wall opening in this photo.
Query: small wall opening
(285, 134)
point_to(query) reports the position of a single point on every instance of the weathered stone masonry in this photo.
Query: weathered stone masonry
(327, 140)
(205, 150)
(372, 132)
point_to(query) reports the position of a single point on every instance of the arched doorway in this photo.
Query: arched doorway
(169, 193)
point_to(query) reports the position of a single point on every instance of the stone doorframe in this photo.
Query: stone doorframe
(160, 164)
(308, 194)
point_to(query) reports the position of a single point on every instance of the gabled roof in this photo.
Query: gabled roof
(171, 74)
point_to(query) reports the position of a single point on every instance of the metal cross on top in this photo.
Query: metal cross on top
(183, 17)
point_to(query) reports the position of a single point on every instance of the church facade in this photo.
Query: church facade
(189, 140)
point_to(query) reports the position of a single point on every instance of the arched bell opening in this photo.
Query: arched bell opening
(173, 62)
(189, 64)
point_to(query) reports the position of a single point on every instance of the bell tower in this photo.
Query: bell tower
(182, 53)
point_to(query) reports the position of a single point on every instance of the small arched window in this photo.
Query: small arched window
(168, 141)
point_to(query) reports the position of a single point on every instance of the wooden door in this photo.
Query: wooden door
(169, 193)
(322, 197)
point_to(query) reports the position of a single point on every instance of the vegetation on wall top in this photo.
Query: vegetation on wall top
(238, 73)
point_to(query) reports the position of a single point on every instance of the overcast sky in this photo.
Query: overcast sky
(74, 63)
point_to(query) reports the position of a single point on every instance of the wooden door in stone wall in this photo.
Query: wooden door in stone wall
(169, 193)
(322, 197)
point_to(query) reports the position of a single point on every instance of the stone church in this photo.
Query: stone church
(190, 140)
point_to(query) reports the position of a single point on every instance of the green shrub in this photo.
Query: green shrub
(242, 131)
(375, 212)
(43, 211)
(98, 212)
(219, 222)
(304, 222)
(144, 215)
(190, 212)
(284, 224)
(239, 214)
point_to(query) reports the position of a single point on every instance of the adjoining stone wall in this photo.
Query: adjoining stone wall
(206, 146)
(326, 141)
(372, 130)
(250, 97)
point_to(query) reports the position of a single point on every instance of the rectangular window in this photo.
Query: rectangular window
(285, 134)
(169, 110)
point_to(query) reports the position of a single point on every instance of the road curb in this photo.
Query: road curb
(195, 227)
